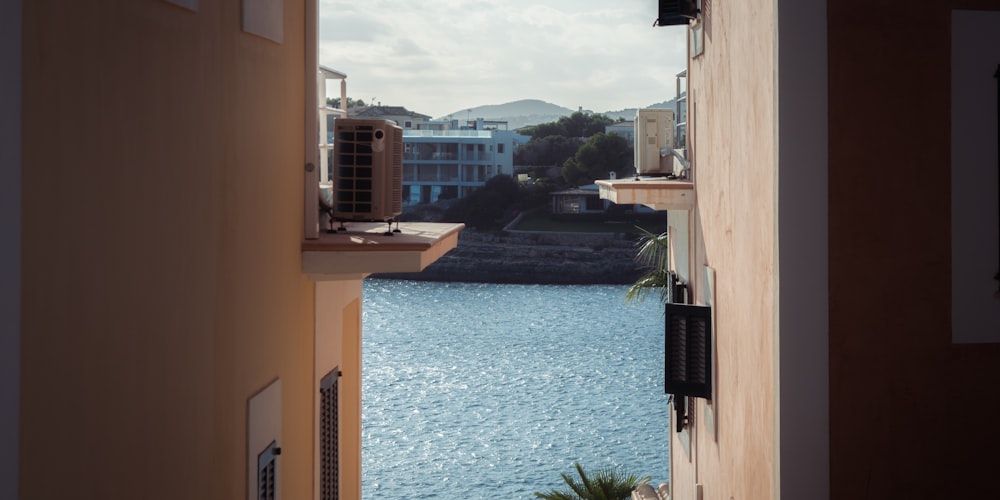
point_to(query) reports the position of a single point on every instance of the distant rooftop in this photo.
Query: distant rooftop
(380, 111)
(447, 133)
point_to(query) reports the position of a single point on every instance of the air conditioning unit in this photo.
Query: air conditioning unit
(676, 12)
(368, 170)
(654, 130)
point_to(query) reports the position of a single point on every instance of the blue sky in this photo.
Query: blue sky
(440, 56)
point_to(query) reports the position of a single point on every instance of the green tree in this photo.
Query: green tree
(547, 151)
(584, 125)
(604, 484)
(335, 102)
(578, 125)
(486, 207)
(547, 129)
(601, 154)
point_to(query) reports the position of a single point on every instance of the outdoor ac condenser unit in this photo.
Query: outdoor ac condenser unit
(368, 170)
(654, 130)
(676, 12)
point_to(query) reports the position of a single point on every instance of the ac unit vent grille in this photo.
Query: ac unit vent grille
(368, 170)
(676, 12)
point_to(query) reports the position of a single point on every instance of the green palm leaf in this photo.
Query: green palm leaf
(654, 256)
(604, 484)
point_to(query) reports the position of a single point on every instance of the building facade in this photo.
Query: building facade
(177, 325)
(624, 129)
(830, 192)
(447, 162)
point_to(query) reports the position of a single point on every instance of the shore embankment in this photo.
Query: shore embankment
(539, 257)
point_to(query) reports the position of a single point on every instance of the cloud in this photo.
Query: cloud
(441, 56)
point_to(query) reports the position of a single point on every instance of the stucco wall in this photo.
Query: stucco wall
(162, 280)
(912, 415)
(731, 124)
(338, 347)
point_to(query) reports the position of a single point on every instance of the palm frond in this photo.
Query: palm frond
(653, 255)
(604, 484)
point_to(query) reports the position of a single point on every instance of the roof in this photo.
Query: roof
(380, 111)
(329, 72)
(588, 190)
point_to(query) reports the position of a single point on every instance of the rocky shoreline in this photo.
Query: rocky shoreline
(535, 258)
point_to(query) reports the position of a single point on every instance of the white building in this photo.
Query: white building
(442, 161)
(623, 129)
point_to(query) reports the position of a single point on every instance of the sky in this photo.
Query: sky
(438, 57)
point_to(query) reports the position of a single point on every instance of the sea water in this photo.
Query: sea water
(491, 391)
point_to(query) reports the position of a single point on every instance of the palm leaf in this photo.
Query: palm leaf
(604, 484)
(654, 256)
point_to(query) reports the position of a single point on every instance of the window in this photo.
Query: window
(499, 148)
(329, 451)
(267, 478)
(688, 359)
(263, 443)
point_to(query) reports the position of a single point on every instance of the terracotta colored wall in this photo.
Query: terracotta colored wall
(731, 129)
(912, 415)
(162, 207)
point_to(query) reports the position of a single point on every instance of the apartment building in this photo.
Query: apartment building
(837, 238)
(175, 323)
(449, 162)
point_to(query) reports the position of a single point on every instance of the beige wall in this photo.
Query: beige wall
(912, 415)
(338, 346)
(731, 125)
(162, 284)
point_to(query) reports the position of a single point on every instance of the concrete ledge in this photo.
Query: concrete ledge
(657, 193)
(365, 249)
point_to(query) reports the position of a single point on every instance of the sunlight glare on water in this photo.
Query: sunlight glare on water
(491, 391)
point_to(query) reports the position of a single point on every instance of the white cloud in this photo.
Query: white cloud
(441, 56)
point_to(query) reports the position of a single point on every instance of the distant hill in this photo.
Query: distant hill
(629, 113)
(528, 112)
(517, 114)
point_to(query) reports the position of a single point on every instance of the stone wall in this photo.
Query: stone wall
(535, 257)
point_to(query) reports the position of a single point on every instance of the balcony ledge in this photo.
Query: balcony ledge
(364, 249)
(657, 193)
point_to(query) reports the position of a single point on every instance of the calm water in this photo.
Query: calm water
(491, 391)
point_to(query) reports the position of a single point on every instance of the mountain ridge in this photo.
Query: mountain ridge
(529, 112)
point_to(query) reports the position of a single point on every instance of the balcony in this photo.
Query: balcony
(657, 193)
(364, 248)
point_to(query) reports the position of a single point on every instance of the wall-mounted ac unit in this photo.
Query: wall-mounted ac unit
(654, 130)
(368, 170)
(676, 12)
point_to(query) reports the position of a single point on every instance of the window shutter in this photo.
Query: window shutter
(688, 359)
(267, 472)
(329, 452)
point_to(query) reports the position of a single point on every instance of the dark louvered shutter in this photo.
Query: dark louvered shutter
(688, 360)
(329, 454)
(267, 472)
